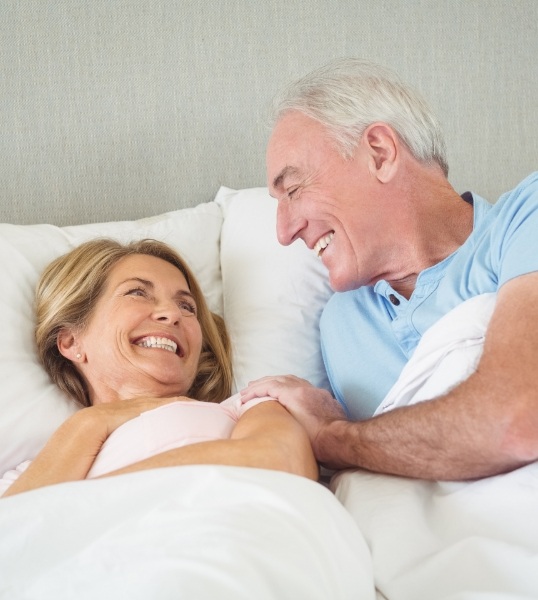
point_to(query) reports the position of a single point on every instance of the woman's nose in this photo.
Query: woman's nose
(167, 312)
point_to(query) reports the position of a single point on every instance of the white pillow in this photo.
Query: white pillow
(31, 407)
(273, 295)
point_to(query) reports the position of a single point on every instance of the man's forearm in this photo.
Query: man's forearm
(448, 438)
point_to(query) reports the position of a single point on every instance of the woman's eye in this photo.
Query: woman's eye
(136, 292)
(187, 308)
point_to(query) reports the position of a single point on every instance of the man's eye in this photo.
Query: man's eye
(292, 192)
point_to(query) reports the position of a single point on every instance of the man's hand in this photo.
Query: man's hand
(313, 407)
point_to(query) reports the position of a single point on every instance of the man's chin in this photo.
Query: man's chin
(342, 285)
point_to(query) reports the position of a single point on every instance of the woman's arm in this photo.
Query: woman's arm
(72, 449)
(67, 456)
(266, 436)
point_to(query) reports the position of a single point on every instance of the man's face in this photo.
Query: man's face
(329, 202)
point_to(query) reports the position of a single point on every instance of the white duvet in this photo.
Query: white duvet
(447, 540)
(447, 354)
(200, 532)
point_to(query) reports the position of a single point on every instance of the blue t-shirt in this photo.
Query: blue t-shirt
(366, 339)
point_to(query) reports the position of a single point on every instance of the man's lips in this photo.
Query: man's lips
(322, 243)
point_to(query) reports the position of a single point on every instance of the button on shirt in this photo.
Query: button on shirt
(394, 299)
(367, 335)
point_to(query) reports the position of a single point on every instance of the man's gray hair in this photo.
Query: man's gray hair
(347, 95)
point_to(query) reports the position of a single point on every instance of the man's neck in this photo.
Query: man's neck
(440, 224)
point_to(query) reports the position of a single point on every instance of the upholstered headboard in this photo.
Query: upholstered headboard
(128, 108)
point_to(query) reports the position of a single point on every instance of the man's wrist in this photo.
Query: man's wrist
(332, 446)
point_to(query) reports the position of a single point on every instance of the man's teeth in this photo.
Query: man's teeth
(322, 243)
(157, 342)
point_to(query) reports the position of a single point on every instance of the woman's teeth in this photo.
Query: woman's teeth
(322, 243)
(157, 342)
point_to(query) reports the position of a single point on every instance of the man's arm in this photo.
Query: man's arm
(486, 425)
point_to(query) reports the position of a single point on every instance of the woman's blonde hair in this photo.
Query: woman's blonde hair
(66, 296)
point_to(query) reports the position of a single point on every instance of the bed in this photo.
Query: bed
(146, 118)
(230, 532)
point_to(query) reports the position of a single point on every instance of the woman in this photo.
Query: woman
(125, 330)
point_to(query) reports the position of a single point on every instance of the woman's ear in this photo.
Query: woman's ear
(68, 346)
(383, 146)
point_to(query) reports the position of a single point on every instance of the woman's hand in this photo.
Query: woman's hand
(71, 451)
(106, 417)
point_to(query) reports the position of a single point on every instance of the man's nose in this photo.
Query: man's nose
(289, 223)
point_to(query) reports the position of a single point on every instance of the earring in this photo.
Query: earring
(79, 355)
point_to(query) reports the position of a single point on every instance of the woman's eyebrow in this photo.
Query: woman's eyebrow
(151, 285)
(185, 293)
(139, 280)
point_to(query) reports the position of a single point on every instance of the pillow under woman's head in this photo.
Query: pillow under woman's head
(31, 406)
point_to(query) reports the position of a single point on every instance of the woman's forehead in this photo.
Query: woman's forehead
(147, 267)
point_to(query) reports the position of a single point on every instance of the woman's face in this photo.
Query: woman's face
(144, 337)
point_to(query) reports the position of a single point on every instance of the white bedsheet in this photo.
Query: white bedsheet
(201, 532)
(448, 540)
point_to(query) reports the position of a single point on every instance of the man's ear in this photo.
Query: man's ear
(383, 146)
(68, 345)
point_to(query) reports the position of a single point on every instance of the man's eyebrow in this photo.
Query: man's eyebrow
(286, 172)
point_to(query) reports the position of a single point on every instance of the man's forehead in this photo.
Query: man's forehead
(288, 146)
(293, 126)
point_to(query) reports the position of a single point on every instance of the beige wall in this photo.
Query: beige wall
(118, 109)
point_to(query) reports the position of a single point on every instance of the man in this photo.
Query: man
(357, 163)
